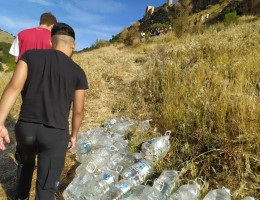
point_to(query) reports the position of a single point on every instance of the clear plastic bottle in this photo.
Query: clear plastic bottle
(218, 194)
(167, 182)
(187, 192)
(157, 147)
(118, 190)
(74, 189)
(135, 193)
(97, 159)
(143, 126)
(113, 121)
(96, 188)
(249, 198)
(120, 129)
(85, 146)
(138, 172)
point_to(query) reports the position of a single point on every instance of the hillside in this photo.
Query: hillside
(6, 37)
(202, 84)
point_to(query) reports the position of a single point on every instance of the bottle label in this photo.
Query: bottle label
(85, 145)
(112, 121)
(109, 179)
(123, 187)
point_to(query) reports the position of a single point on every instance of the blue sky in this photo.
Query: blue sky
(91, 19)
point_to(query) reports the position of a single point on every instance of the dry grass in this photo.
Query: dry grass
(203, 87)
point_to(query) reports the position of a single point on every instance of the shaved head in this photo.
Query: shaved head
(63, 40)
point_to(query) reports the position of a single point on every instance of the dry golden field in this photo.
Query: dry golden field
(203, 86)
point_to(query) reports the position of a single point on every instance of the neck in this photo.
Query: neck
(64, 49)
(45, 26)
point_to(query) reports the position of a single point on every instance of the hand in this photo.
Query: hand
(73, 142)
(3, 136)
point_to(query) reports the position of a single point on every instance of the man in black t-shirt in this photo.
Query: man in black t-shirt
(50, 81)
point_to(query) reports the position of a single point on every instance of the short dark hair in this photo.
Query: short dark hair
(48, 19)
(62, 29)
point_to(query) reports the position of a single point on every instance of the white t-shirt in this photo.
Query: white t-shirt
(14, 50)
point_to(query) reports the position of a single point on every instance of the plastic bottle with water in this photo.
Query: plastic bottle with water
(249, 198)
(143, 126)
(167, 182)
(74, 189)
(156, 148)
(113, 121)
(120, 129)
(135, 193)
(84, 135)
(187, 192)
(138, 172)
(218, 194)
(96, 188)
(118, 190)
(96, 160)
(121, 158)
(87, 145)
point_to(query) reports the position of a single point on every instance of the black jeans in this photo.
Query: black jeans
(50, 145)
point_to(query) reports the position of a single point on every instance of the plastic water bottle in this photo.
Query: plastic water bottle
(249, 198)
(157, 147)
(113, 121)
(135, 193)
(118, 190)
(120, 129)
(96, 160)
(96, 188)
(84, 135)
(143, 192)
(122, 158)
(218, 194)
(143, 126)
(74, 189)
(86, 145)
(187, 192)
(167, 181)
(138, 156)
(138, 172)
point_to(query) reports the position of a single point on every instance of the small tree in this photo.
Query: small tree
(231, 18)
(128, 36)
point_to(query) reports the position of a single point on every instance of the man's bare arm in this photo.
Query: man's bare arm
(16, 59)
(77, 116)
(9, 97)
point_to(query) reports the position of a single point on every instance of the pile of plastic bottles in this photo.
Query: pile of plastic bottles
(108, 170)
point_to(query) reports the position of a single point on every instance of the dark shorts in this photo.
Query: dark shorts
(50, 145)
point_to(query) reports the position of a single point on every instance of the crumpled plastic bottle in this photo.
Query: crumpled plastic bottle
(187, 192)
(156, 148)
(218, 194)
(167, 182)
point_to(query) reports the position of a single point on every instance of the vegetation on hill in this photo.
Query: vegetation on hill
(205, 88)
(5, 57)
(6, 37)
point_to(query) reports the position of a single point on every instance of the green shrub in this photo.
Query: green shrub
(1, 67)
(231, 18)
(5, 57)
(221, 1)
(209, 6)
(197, 11)
(101, 43)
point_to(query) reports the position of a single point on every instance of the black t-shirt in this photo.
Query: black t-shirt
(49, 88)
